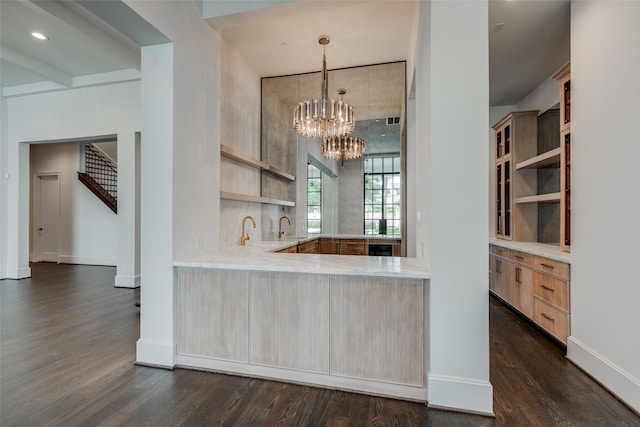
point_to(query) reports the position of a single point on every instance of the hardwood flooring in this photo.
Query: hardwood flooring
(68, 346)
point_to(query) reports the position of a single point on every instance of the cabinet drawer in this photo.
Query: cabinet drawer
(352, 247)
(551, 319)
(554, 291)
(550, 266)
(308, 247)
(522, 257)
(328, 246)
(500, 251)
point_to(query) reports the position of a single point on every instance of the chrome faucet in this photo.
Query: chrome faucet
(244, 237)
(280, 232)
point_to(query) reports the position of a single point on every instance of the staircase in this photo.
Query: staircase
(100, 176)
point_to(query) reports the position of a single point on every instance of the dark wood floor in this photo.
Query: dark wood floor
(68, 345)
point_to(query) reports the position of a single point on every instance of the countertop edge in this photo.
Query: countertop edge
(540, 249)
(348, 265)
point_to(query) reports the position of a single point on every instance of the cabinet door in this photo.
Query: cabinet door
(503, 199)
(500, 278)
(521, 289)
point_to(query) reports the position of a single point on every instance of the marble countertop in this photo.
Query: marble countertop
(259, 256)
(540, 249)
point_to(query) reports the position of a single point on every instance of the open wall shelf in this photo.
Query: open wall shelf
(227, 195)
(238, 156)
(550, 158)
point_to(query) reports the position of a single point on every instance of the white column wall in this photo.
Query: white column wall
(64, 115)
(458, 374)
(4, 179)
(180, 155)
(605, 129)
(128, 273)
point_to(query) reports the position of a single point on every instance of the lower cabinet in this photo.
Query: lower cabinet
(536, 286)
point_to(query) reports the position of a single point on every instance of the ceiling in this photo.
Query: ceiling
(532, 44)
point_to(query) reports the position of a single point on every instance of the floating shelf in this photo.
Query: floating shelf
(549, 158)
(238, 156)
(226, 195)
(539, 198)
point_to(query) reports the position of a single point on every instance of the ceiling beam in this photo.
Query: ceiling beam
(82, 20)
(36, 66)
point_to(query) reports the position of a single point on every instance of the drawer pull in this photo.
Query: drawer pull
(546, 265)
(546, 288)
(547, 317)
(518, 275)
(518, 257)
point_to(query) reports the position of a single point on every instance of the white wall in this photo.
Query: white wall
(605, 129)
(180, 205)
(240, 129)
(88, 228)
(4, 179)
(65, 115)
(454, 47)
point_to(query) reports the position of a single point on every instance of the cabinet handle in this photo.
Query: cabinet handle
(546, 288)
(547, 265)
(548, 317)
(498, 263)
(518, 257)
(518, 275)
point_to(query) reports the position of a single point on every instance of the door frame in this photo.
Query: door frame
(36, 255)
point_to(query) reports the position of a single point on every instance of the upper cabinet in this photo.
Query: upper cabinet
(564, 76)
(515, 141)
(533, 172)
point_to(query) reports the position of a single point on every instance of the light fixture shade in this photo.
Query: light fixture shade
(344, 147)
(324, 117)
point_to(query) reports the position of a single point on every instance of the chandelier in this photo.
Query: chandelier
(342, 147)
(324, 117)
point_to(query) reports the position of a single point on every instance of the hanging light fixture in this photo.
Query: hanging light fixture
(324, 117)
(342, 147)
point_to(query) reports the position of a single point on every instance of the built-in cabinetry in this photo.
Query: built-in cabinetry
(536, 286)
(347, 246)
(311, 328)
(564, 76)
(515, 141)
(245, 159)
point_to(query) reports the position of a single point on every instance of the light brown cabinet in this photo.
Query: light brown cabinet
(310, 247)
(515, 141)
(339, 246)
(537, 287)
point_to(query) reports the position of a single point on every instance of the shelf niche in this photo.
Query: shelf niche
(539, 203)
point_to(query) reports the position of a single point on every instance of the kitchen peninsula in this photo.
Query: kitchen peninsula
(345, 322)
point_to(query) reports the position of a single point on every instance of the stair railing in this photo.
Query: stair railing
(101, 170)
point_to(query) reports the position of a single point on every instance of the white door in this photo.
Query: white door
(47, 217)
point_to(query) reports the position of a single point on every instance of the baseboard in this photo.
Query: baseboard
(460, 394)
(71, 259)
(122, 281)
(304, 377)
(155, 353)
(615, 379)
(20, 273)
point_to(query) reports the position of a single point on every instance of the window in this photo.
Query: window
(314, 200)
(382, 195)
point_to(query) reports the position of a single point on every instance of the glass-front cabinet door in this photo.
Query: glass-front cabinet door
(503, 181)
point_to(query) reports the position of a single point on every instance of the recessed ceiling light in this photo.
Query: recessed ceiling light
(383, 134)
(39, 36)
